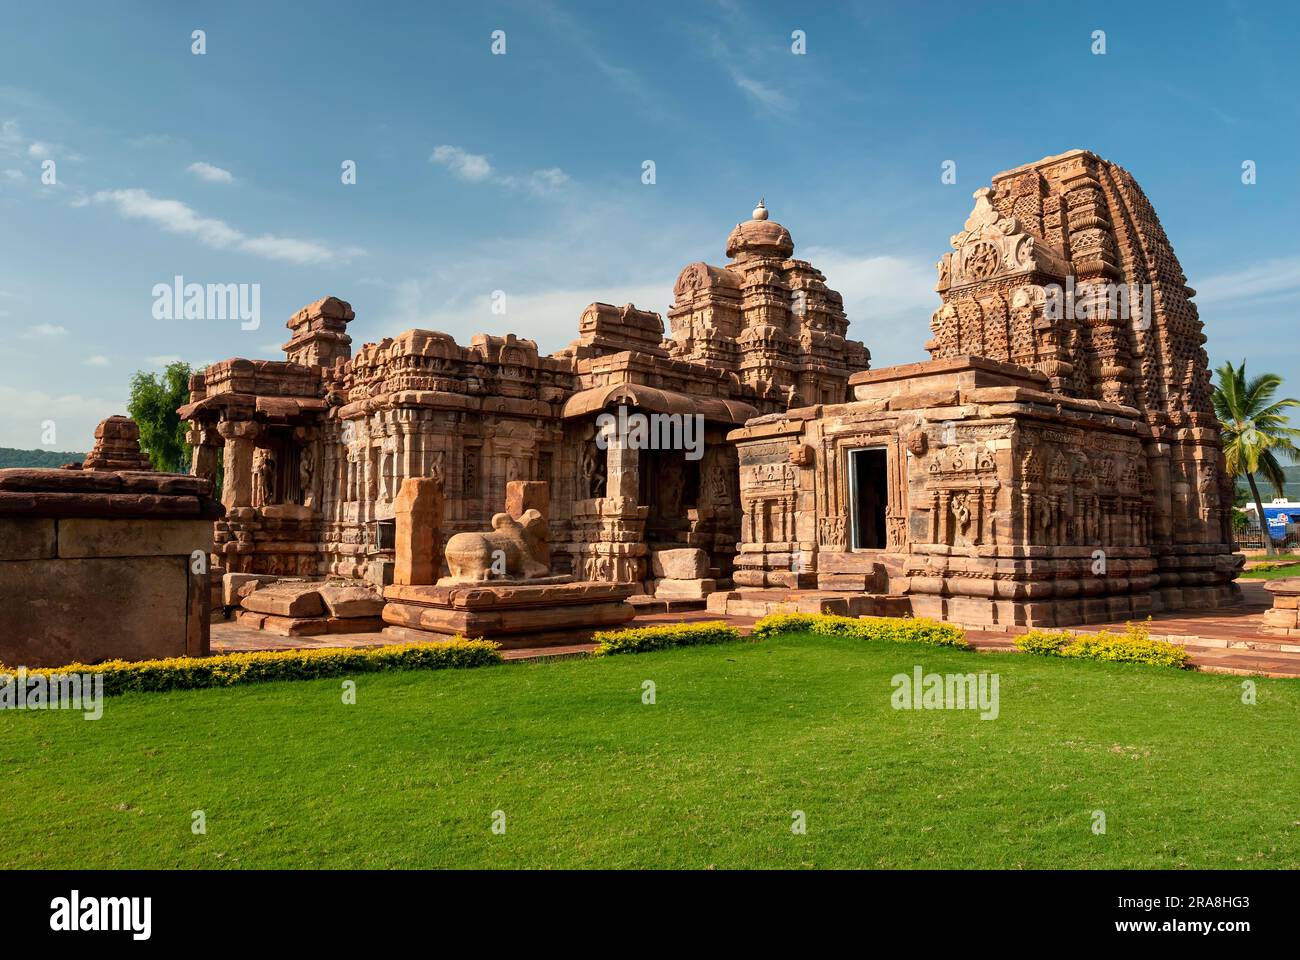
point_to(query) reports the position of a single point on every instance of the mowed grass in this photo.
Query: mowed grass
(1277, 573)
(741, 736)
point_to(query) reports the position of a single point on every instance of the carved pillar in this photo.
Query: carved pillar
(237, 487)
(623, 475)
(418, 516)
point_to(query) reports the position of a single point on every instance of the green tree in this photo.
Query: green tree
(153, 404)
(1255, 431)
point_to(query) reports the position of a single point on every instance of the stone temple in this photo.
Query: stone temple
(1048, 465)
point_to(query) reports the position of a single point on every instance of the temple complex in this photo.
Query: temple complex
(1056, 461)
(315, 448)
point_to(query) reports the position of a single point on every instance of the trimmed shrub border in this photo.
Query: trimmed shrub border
(1134, 645)
(887, 629)
(226, 670)
(645, 639)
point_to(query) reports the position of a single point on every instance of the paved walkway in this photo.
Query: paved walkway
(1220, 641)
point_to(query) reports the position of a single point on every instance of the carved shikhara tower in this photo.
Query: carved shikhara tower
(1078, 222)
(1056, 462)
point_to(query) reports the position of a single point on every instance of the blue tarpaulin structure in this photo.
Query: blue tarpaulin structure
(1277, 518)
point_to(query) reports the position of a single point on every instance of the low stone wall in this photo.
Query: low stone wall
(99, 564)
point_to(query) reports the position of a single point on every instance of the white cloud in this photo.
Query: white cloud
(23, 413)
(40, 148)
(98, 360)
(14, 175)
(1276, 278)
(545, 181)
(43, 331)
(549, 317)
(173, 216)
(761, 93)
(475, 168)
(210, 173)
(467, 166)
(888, 300)
(162, 361)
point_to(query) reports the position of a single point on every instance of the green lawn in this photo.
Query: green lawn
(741, 736)
(1289, 570)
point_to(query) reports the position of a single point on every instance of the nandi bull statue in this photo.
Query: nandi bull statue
(511, 550)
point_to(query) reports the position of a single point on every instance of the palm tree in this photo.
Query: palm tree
(1255, 430)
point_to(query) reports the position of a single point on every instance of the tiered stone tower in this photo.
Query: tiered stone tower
(768, 317)
(1063, 267)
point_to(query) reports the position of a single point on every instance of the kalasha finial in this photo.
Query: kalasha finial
(760, 211)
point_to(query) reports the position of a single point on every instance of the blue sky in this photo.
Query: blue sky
(522, 172)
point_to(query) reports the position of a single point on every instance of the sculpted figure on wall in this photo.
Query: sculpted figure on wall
(263, 477)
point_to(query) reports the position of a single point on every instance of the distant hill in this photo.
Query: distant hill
(9, 457)
(1266, 493)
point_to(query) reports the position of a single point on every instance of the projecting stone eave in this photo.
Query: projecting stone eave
(1048, 161)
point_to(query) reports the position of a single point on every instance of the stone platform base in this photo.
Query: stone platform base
(1071, 611)
(307, 626)
(767, 601)
(646, 604)
(513, 615)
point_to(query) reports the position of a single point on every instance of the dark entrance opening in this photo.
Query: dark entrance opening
(868, 494)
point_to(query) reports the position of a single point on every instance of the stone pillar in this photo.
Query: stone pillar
(418, 513)
(622, 466)
(524, 495)
(237, 484)
(203, 463)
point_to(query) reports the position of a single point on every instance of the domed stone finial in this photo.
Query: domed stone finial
(760, 211)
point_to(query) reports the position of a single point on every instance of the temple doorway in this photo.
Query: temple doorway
(670, 486)
(868, 496)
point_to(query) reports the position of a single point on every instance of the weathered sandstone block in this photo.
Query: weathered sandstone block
(295, 600)
(418, 534)
(686, 563)
(348, 601)
(27, 538)
(133, 538)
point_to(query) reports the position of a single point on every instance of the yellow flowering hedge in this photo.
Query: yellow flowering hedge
(644, 639)
(195, 673)
(1134, 645)
(887, 629)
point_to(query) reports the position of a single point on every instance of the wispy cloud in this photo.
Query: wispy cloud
(44, 331)
(761, 93)
(98, 360)
(463, 164)
(1271, 279)
(888, 300)
(23, 414)
(210, 173)
(157, 141)
(173, 216)
(476, 168)
(549, 316)
(747, 51)
(633, 86)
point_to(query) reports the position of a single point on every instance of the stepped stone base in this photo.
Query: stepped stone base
(522, 614)
(762, 603)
